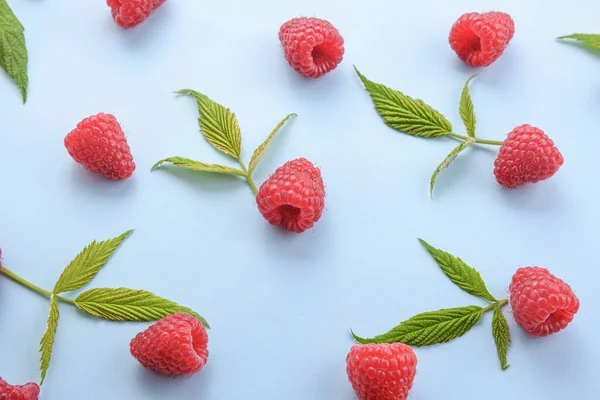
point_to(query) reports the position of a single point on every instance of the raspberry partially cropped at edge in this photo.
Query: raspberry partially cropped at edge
(480, 39)
(542, 303)
(29, 391)
(381, 371)
(312, 46)
(129, 13)
(527, 155)
(175, 345)
(293, 197)
(99, 144)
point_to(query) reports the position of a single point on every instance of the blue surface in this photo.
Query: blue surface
(281, 305)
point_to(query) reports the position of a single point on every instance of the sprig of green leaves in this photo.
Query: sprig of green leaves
(13, 51)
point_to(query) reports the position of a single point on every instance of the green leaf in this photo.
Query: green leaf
(199, 166)
(87, 264)
(218, 124)
(592, 41)
(123, 304)
(47, 341)
(13, 52)
(260, 150)
(465, 277)
(430, 328)
(467, 110)
(447, 161)
(404, 113)
(501, 333)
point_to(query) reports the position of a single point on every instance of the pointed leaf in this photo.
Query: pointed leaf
(501, 333)
(592, 41)
(465, 277)
(123, 304)
(87, 264)
(431, 327)
(467, 110)
(13, 51)
(405, 114)
(260, 150)
(218, 124)
(199, 166)
(47, 341)
(447, 161)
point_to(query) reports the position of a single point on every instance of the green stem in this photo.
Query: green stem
(248, 177)
(500, 303)
(31, 286)
(480, 141)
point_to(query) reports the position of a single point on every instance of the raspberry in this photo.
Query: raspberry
(312, 46)
(480, 39)
(293, 197)
(175, 345)
(381, 371)
(542, 303)
(98, 143)
(129, 13)
(527, 155)
(29, 391)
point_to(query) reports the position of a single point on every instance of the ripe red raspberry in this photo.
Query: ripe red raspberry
(129, 13)
(527, 155)
(29, 391)
(381, 371)
(312, 46)
(98, 143)
(175, 345)
(542, 303)
(293, 197)
(480, 39)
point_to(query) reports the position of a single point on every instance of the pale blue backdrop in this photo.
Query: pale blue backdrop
(281, 305)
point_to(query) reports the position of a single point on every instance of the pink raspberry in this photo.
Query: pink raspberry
(480, 39)
(312, 46)
(542, 303)
(381, 371)
(29, 391)
(293, 197)
(99, 144)
(175, 345)
(129, 13)
(527, 155)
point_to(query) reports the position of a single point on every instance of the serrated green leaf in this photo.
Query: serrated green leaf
(447, 161)
(501, 333)
(86, 264)
(123, 304)
(218, 124)
(47, 341)
(430, 328)
(199, 166)
(13, 51)
(260, 150)
(405, 114)
(467, 110)
(590, 40)
(465, 277)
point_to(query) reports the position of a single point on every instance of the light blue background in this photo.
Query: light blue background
(281, 304)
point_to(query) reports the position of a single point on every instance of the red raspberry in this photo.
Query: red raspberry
(175, 345)
(312, 46)
(293, 197)
(527, 155)
(542, 304)
(29, 391)
(129, 13)
(480, 39)
(381, 371)
(98, 143)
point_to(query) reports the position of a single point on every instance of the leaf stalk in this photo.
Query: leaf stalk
(23, 282)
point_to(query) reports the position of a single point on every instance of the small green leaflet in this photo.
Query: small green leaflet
(123, 304)
(48, 339)
(447, 161)
(404, 113)
(590, 40)
(501, 333)
(13, 52)
(199, 166)
(461, 274)
(431, 327)
(218, 125)
(87, 264)
(260, 150)
(467, 110)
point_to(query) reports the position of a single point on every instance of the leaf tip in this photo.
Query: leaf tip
(505, 367)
